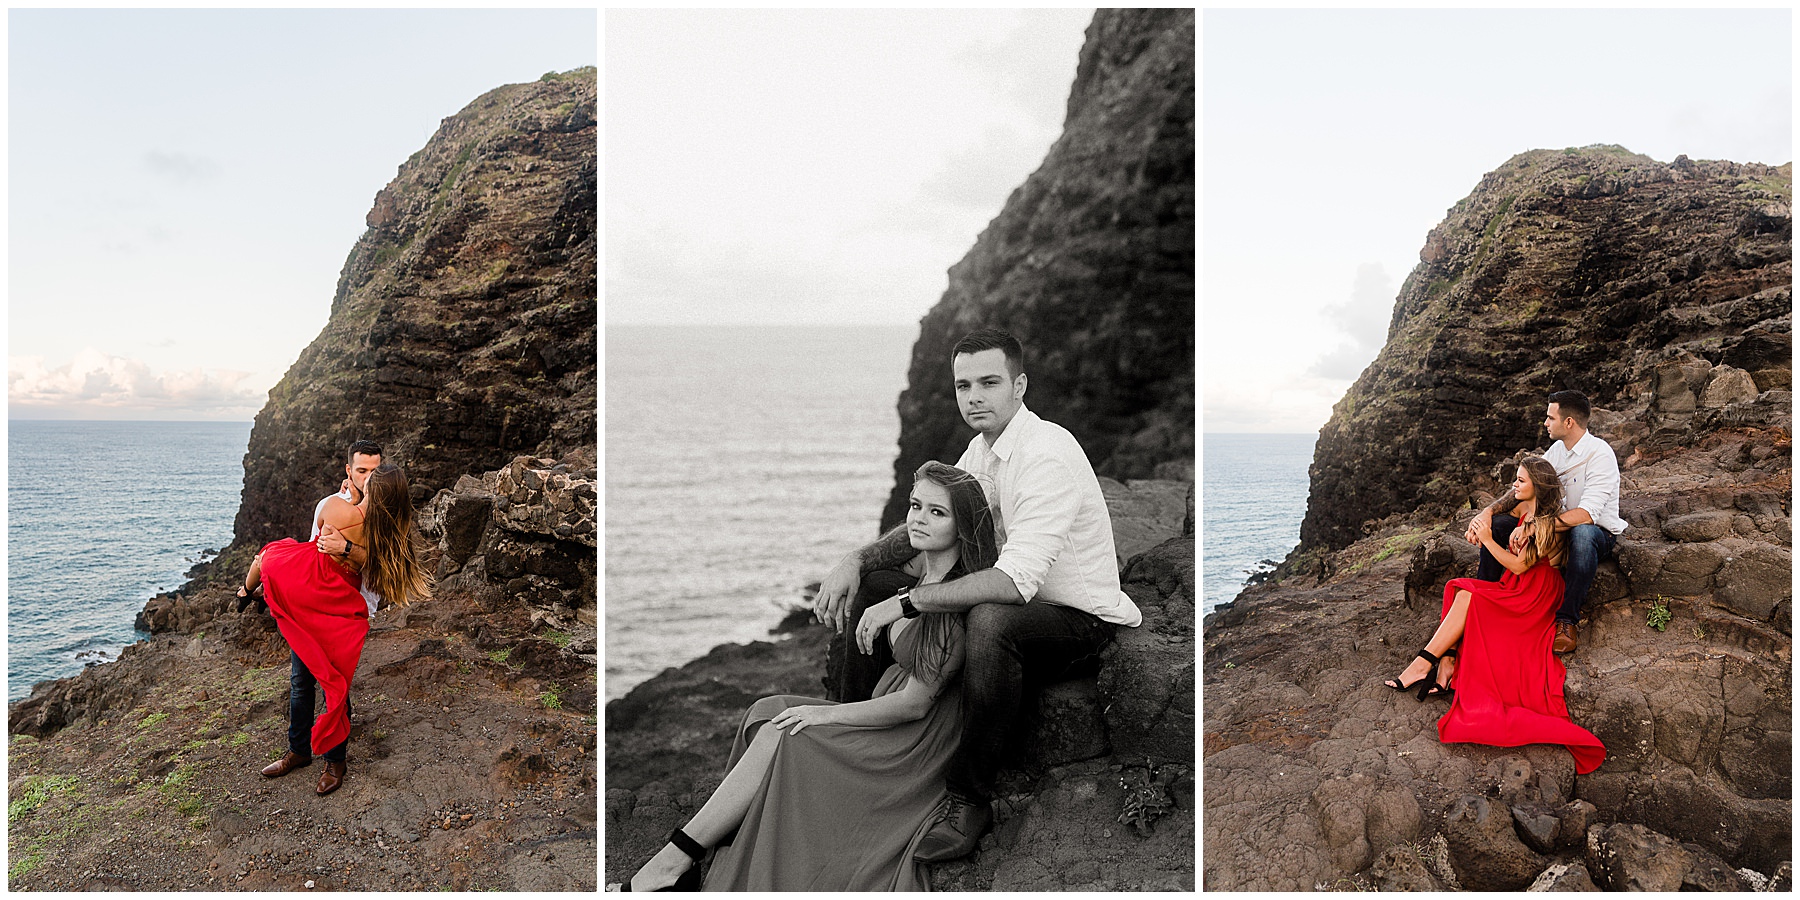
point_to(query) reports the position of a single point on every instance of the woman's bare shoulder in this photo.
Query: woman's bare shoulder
(341, 514)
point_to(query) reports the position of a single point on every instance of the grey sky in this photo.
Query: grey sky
(817, 166)
(1334, 140)
(184, 186)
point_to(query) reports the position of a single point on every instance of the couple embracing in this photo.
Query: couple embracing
(1493, 654)
(322, 594)
(1003, 577)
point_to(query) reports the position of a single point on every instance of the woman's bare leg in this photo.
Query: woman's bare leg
(723, 811)
(1449, 631)
(254, 576)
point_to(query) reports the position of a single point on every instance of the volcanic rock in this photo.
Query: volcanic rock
(1647, 286)
(1091, 265)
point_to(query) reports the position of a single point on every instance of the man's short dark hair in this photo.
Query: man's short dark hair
(366, 448)
(1573, 405)
(993, 339)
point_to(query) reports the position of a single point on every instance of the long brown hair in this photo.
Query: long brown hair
(976, 549)
(393, 569)
(1547, 495)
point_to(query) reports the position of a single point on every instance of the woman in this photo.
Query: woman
(1508, 691)
(322, 614)
(833, 796)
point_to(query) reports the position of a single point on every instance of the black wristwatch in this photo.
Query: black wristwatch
(907, 609)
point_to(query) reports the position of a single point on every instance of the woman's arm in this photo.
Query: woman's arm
(908, 704)
(1514, 562)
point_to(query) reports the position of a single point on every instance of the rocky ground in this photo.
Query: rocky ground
(472, 740)
(1104, 757)
(471, 765)
(1317, 775)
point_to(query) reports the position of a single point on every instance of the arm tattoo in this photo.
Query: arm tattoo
(889, 551)
(1504, 503)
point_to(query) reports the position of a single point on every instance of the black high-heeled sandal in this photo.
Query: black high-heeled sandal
(245, 597)
(689, 880)
(1441, 690)
(1429, 679)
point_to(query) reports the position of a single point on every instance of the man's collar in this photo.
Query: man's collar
(1571, 447)
(1009, 438)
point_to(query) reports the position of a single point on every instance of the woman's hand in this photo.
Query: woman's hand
(801, 716)
(875, 618)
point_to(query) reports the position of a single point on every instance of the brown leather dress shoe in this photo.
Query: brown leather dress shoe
(288, 762)
(332, 778)
(957, 832)
(1565, 638)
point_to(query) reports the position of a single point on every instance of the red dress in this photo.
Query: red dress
(322, 614)
(1509, 686)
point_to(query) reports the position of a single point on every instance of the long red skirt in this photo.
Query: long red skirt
(1509, 686)
(322, 614)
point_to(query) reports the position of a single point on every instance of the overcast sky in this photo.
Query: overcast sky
(817, 166)
(1334, 140)
(184, 186)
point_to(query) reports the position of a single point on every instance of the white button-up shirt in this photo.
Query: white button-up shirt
(1054, 530)
(1590, 478)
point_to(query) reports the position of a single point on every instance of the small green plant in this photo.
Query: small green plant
(1659, 614)
(559, 638)
(24, 864)
(37, 791)
(551, 698)
(1231, 665)
(1147, 796)
(152, 720)
(239, 739)
(500, 656)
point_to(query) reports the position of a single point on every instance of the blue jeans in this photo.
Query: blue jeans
(1586, 545)
(301, 685)
(1011, 646)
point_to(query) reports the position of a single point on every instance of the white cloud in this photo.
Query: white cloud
(181, 168)
(106, 386)
(1363, 319)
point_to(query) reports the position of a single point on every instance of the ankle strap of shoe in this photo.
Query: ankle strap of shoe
(686, 844)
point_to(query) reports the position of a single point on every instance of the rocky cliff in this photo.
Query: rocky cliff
(462, 337)
(1581, 269)
(462, 333)
(1091, 265)
(1664, 292)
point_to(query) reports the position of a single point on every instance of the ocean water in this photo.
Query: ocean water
(1255, 488)
(741, 464)
(101, 517)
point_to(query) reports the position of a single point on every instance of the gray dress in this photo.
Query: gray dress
(843, 806)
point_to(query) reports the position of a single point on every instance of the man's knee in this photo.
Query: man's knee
(878, 586)
(1587, 542)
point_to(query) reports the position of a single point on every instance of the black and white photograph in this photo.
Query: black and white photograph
(899, 447)
(1497, 450)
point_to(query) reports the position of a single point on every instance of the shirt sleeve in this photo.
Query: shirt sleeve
(1037, 527)
(1602, 488)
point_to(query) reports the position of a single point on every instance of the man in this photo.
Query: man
(362, 458)
(1590, 523)
(1048, 606)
